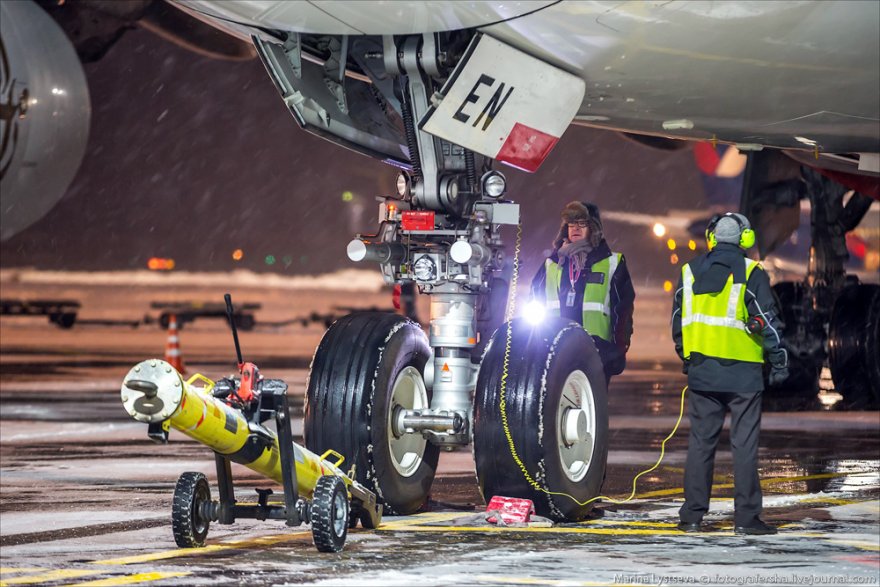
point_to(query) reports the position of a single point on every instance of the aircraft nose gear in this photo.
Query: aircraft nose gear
(387, 397)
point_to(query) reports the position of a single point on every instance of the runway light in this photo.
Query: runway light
(671, 244)
(534, 312)
(667, 286)
(692, 245)
(347, 196)
(659, 230)
(673, 258)
(237, 255)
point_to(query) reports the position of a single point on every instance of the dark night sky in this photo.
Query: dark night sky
(191, 158)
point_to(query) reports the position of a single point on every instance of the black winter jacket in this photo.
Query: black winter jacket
(711, 271)
(613, 354)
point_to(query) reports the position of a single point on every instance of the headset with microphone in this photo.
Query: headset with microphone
(746, 234)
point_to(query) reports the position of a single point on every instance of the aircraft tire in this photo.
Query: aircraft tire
(491, 314)
(557, 418)
(188, 522)
(368, 364)
(329, 514)
(803, 368)
(854, 345)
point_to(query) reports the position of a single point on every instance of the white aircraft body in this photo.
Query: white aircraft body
(794, 75)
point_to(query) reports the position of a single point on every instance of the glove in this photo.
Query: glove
(685, 366)
(778, 375)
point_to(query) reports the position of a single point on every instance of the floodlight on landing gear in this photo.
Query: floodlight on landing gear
(534, 312)
(494, 184)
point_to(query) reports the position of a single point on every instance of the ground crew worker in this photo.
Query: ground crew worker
(585, 281)
(724, 319)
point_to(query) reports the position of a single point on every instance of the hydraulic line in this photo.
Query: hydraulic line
(503, 403)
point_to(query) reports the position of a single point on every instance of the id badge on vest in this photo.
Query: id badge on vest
(573, 276)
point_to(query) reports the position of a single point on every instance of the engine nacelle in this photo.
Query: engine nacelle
(44, 115)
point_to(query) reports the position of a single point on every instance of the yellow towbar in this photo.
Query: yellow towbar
(155, 393)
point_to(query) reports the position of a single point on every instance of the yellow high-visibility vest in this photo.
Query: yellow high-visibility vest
(714, 324)
(597, 296)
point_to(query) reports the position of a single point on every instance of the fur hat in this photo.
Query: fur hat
(575, 211)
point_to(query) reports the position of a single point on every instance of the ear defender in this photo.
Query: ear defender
(747, 239)
(746, 236)
(711, 241)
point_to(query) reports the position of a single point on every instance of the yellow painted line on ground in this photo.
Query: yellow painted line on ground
(719, 478)
(562, 583)
(424, 519)
(49, 576)
(130, 579)
(632, 523)
(553, 530)
(863, 544)
(211, 548)
(21, 569)
(764, 483)
(833, 500)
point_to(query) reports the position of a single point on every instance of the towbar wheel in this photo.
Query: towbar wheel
(330, 514)
(188, 511)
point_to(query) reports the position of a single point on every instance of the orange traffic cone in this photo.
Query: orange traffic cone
(172, 347)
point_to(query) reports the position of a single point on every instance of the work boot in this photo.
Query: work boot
(690, 527)
(757, 528)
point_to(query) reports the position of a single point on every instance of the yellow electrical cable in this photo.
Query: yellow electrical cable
(502, 404)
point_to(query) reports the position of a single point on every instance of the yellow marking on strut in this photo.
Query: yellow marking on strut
(211, 548)
(49, 576)
(131, 579)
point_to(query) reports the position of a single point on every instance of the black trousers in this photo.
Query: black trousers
(706, 412)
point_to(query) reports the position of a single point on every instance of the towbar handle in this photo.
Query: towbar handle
(230, 315)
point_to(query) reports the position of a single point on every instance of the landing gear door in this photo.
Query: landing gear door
(504, 104)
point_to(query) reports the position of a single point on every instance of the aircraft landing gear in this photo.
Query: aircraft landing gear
(829, 316)
(854, 345)
(389, 398)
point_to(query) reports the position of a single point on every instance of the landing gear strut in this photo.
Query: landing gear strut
(390, 399)
(829, 317)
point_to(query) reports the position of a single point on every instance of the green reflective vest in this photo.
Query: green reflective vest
(714, 324)
(597, 296)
